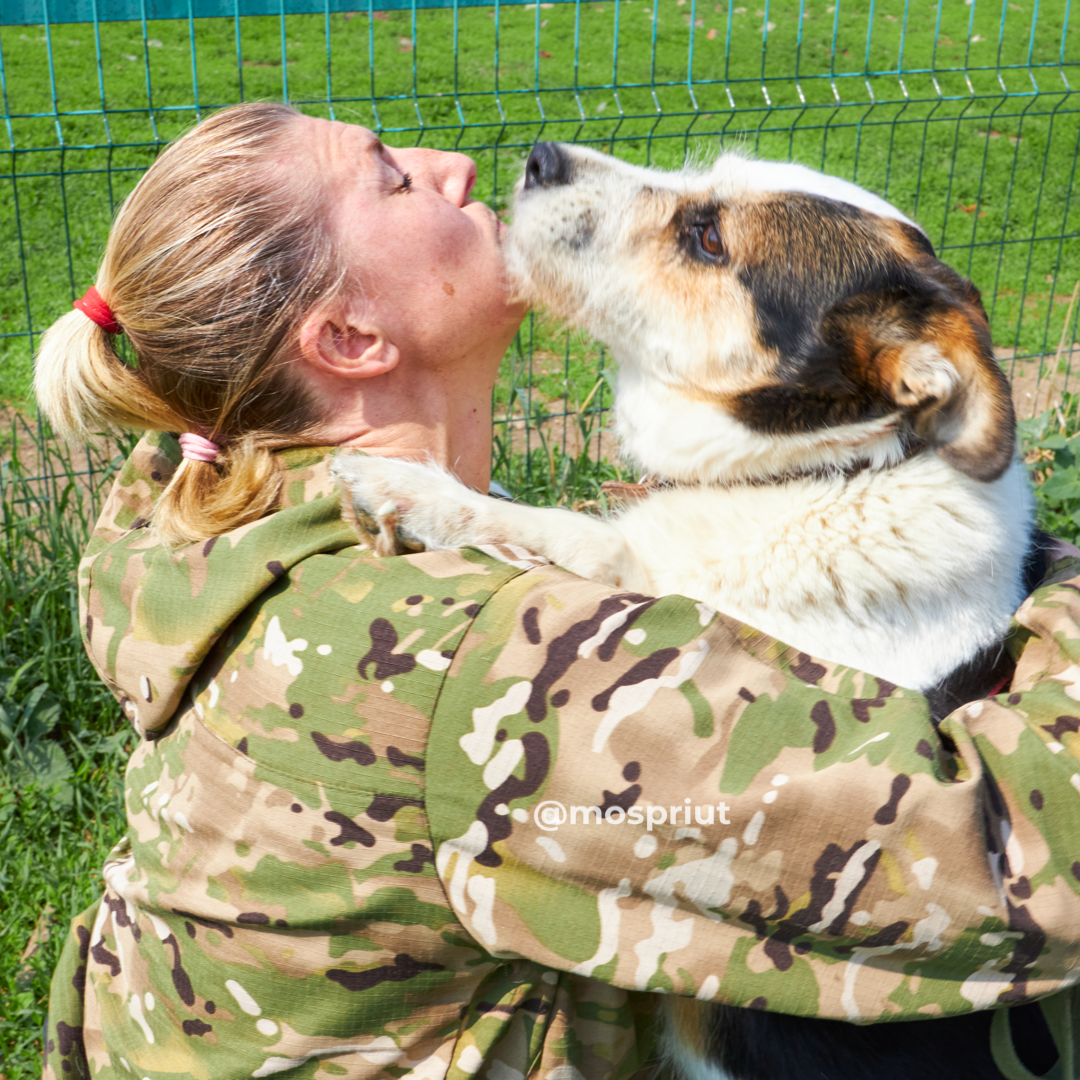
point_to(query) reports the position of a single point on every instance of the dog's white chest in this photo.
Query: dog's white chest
(904, 573)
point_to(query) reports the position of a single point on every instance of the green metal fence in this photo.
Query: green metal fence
(962, 114)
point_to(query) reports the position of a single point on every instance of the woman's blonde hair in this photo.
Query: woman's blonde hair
(213, 261)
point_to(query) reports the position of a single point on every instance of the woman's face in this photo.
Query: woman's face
(428, 257)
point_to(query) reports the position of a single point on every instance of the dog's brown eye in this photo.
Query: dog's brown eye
(710, 240)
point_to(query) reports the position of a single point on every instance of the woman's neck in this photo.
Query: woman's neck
(426, 416)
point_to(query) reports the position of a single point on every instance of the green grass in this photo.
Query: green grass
(1051, 445)
(962, 141)
(63, 741)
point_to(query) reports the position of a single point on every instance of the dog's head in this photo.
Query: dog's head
(794, 318)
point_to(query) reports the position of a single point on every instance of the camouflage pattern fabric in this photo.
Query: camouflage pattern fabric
(462, 814)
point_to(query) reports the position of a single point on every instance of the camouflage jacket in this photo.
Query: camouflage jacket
(455, 814)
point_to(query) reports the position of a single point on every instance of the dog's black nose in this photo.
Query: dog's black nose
(547, 166)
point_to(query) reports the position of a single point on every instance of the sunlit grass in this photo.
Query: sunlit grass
(961, 142)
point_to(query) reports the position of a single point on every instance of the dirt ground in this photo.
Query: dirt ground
(560, 433)
(1037, 382)
(46, 469)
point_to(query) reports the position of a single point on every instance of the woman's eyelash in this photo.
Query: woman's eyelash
(406, 182)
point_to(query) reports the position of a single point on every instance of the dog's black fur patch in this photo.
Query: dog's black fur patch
(850, 305)
(755, 1045)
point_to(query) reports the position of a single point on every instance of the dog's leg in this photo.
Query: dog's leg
(434, 509)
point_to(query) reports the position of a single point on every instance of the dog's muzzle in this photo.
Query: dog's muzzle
(548, 165)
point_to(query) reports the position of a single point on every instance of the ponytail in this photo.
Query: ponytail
(211, 266)
(205, 499)
(83, 386)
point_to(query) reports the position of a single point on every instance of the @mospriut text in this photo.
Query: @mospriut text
(551, 815)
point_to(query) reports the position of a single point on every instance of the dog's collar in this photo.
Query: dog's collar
(620, 491)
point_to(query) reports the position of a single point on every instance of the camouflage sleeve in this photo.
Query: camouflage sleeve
(646, 792)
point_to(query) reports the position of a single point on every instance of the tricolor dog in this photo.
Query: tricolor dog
(832, 452)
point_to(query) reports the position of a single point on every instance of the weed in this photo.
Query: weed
(63, 741)
(1050, 443)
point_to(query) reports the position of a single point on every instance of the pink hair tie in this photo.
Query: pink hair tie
(196, 448)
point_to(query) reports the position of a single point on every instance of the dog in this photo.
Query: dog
(831, 448)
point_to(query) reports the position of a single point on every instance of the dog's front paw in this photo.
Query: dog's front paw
(399, 506)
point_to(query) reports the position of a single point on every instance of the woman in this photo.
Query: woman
(345, 854)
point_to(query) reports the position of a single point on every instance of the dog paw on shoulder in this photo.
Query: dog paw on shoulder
(370, 508)
(400, 506)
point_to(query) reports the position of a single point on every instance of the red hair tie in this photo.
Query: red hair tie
(96, 310)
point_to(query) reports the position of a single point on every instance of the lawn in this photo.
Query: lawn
(958, 113)
(62, 747)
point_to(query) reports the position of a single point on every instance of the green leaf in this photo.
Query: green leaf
(45, 765)
(1063, 486)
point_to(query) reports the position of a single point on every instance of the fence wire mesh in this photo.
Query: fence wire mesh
(961, 114)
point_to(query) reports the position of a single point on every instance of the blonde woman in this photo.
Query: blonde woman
(343, 854)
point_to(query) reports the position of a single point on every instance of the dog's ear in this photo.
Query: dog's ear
(928, 350)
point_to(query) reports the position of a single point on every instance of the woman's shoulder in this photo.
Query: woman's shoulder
(152, 614)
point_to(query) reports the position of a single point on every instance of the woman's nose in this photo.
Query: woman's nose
(451, 174)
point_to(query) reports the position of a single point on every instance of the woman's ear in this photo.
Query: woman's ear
(346, 344)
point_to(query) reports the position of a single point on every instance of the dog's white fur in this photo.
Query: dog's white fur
(905, 569)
